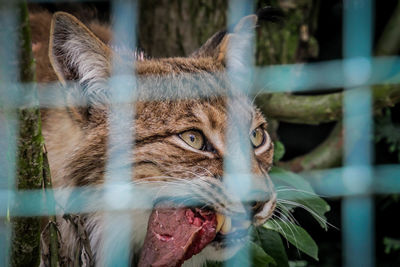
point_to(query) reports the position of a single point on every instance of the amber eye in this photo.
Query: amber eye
(257, 137)
(193, 138)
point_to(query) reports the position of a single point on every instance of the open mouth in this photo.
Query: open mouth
(175, 234)
(235, 238)
(230, 232)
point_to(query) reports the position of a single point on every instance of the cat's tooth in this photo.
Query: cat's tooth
(227, 226)
(220, 221)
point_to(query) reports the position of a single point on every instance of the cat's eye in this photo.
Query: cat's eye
(193, 138)
(257, 137)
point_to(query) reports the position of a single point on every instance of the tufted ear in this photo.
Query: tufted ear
(220, 43)
(238, 42)
(77, 55)
(212, 46)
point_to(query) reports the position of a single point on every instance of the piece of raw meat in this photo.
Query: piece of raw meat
(176, 234)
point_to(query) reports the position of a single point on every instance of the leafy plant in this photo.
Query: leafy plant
(388, 131)
(391, 245)
(279, 151)
(266, 247)
(296, 235)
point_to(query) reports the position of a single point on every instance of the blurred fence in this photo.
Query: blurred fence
(357, 181)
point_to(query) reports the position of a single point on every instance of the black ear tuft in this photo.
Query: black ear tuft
(210, 48)
(269, 13)
(217, 45)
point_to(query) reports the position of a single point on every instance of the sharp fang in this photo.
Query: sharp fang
(227, 226)
(220, 221)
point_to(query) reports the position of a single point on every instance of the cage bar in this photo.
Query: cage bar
(357, 72)
(119, 225)
(9, 76)
(358, 234)
(237, 166)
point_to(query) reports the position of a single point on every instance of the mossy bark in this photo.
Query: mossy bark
(293, 39)
(178, 27)
(25, 250)
(287, 41)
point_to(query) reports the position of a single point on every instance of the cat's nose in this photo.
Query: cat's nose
(262, 210)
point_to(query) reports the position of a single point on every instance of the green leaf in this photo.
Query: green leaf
(389, 131)
(294, 191)
(272, 244)
(279, 151)
(391, 245)
(289, 178)
(392, 148)
(296, 235)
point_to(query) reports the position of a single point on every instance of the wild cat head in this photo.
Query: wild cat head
(189, 115)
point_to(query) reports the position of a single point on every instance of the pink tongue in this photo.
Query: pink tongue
(175, 235)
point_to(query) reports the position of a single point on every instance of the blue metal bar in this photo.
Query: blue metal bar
(236, 161)
(117, 249)
(9, 74)
(357, 219)
(327, 183)
(282, 78)
(358, 70)
(331, 182)
(328, 74)
(237, 165)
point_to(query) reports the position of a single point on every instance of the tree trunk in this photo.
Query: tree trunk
(292, 40)
(25, 250)
(178, 27)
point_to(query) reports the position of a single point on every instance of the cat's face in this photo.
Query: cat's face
(181, 128)
(188, 140)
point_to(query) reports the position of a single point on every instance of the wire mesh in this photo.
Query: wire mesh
(358, 219)
(357, 181)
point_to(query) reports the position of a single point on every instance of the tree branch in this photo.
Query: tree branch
(290, 108)
(329, 153)
(326, 155)
(389, 41)
(317, 109)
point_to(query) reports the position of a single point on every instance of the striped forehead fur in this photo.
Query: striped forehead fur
(162, 83)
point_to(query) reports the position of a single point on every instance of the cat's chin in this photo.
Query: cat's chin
(215, 252)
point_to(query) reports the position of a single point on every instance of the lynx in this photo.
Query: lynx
(180, 130)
